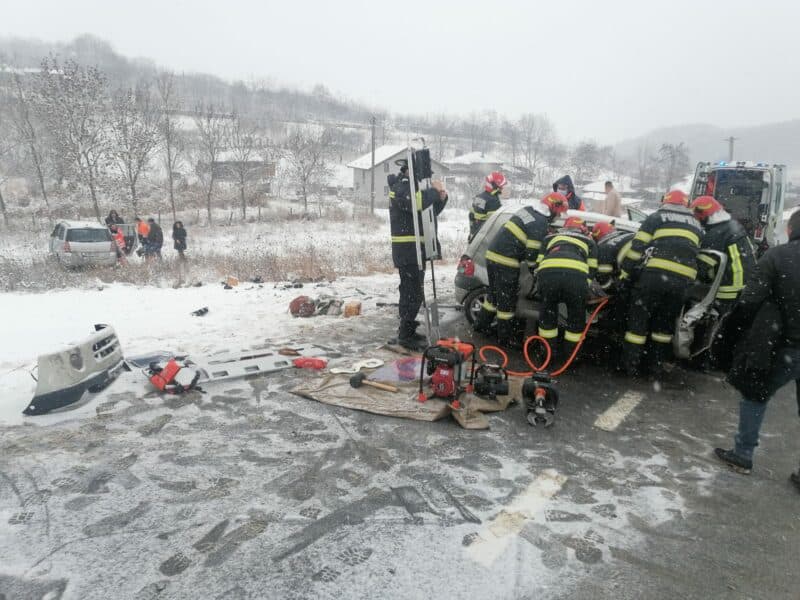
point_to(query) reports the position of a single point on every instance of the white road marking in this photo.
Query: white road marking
(499, 532)
(616, 413)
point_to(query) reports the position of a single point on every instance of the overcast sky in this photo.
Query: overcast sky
(606, 70)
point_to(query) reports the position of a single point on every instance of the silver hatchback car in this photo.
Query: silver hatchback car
(82, 244)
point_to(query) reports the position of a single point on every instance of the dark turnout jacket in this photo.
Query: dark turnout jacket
(401, 219)
(575, 202)
(730, 238)
(484, 205)
(520, 238)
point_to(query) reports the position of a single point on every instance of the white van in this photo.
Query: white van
(82, 244)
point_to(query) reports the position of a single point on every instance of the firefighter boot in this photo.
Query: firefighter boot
(508, 334)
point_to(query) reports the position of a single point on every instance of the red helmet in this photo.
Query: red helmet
(601, 230)
(575, 223)
(556, 202)
(705, 206)
(495, 181)
(675, 197)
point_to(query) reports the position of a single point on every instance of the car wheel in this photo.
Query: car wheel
(472, 303)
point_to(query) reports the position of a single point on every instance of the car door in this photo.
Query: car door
(54, 238)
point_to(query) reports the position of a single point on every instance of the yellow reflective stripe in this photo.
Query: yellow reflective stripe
(505, 316)
(392, 195)
(623, 252)
(518, 233)
(480, 216)
(731, 288)
(569, 240)
(674, 232)
(707, 259)
(404, 239)
(643, 236)
(633, 255)
(486, 305)
(564, 263)
(639, 340)
(501, 260)
(727, 295)
(548, 334)
(668, 265)
(605, 268)
(534, 244)
(592, 262)
(419, 200)
(573, 336)
(736, 266)
(661, 338)
(623, 275)
(540, 258)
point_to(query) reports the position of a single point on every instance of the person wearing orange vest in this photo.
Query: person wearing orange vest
(142, 229)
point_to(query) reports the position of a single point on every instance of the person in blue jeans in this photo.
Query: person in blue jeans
(776, 280)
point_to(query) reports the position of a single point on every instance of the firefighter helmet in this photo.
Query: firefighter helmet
(556, 202)
(705, 206)
(675, 197)
(575, 223)
(601, 230)
(495, 181)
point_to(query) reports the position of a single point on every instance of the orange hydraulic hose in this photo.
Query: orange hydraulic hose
(549, 353)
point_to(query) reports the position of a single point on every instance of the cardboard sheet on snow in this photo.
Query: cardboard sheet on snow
(336, 390)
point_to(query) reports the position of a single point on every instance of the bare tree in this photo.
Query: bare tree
(170, 134)
(536, 135)
(645, 165)
(72, 102)
(6, 149)
(512, 138)
(134, 131)
(247, 156)
(26, 131)
(308, 153)
(212, 128)
(674, 162)
(585, 159)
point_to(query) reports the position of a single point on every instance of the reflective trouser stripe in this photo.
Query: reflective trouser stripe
(488, 306)
(479, 216)
(707, 259)
(643, 236)
(533, 244)
(505, 316)
(568, 240)
(661, 338)
(502, 260)
(564, 263)
(419, 200)
(605, 268)
(674, 267)
(727, 295)
(405, 239)
(633, 338)
(623, 252)
(673, 232)
(391, 195)
(592, 262)
(573, 336)
(548, 334)
(633, 255)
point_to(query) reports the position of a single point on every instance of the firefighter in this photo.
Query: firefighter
(724, 234)
(566, 188)
(485, 204)
(404, 252)
(518, 241)
(660, 265)
(566, 266)
(612, 246)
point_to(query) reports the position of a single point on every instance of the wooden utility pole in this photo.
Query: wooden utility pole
(372, 172)
(730, 141)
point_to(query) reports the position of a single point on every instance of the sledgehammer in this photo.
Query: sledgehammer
(360, 379)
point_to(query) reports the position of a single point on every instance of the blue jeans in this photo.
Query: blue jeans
(751, 414)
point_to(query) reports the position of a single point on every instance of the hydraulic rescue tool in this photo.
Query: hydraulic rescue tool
(541, 399)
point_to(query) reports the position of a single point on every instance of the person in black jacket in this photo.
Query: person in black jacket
(566, 188)
(404, 251)
(726, 235)
(486, 203)
(113, 218)
(661, 263)
(777, 280)
(154, 240)
(612, 247)
(518, 242)
(179, 239)
(566, 265)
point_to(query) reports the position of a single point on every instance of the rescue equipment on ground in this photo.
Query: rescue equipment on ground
(490, 381)
(446, 363)
(541, 399)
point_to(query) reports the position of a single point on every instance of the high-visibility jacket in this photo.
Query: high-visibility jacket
(520, 238)
(142, 228)
(611, 251)
(668, 241)
(484, 205)
(728, 237)
(401, 219)
(569, 250)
